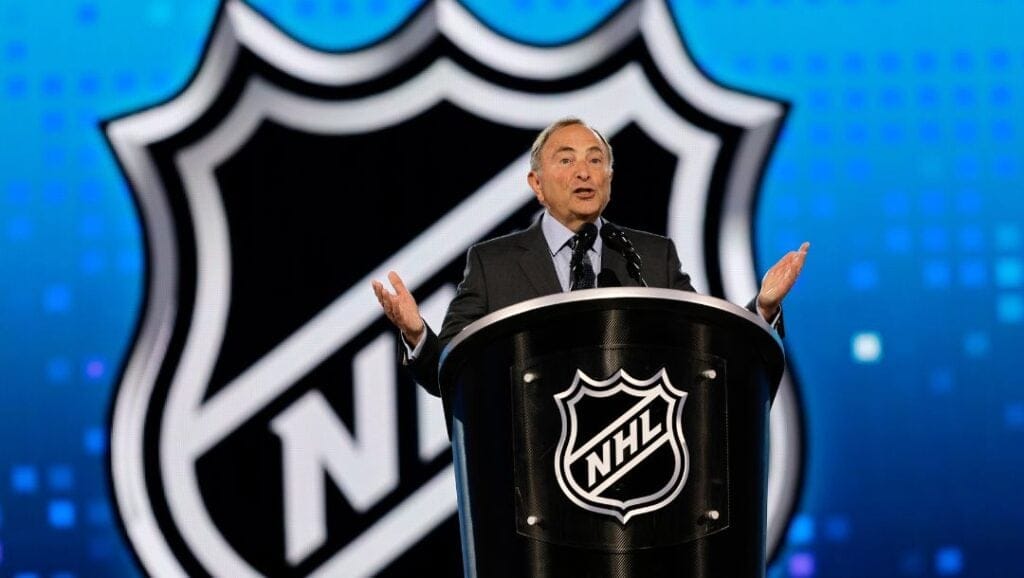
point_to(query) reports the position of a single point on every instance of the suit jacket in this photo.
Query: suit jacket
(510, 269)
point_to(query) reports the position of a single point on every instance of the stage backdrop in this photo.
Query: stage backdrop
(194, 197)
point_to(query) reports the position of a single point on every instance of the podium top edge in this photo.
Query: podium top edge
(631, 294)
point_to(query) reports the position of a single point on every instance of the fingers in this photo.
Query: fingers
(378, 290)
(382, 297)
(397, 282)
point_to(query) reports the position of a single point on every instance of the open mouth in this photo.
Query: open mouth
(584, 193)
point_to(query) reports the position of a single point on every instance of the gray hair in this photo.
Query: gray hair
(545, 134)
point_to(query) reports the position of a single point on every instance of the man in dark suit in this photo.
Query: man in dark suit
(571, 173)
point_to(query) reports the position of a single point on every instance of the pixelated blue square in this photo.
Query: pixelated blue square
(965, 131)
(55, 192)
(963, 61)
(855, 99)
(24, 479)
(940, 381)
(17, 192)
(1008, 237)
(101, 548)
(976, 344)
(856, 133)
(53, 85)
(801, 530)
(859, 169)
(1000, 95)
(1005, 167)
(61, 514)
(1010, 308)
(927, 96)
(973, 274)
(837, 529)
(968, 201)
(863, 276)
(889, 62)
(57, 299)
(341, 7)
(60, 477)
(949, 561)
(1013, 416)
(929, 132)
(1009, 272)
(801, 564)
(896, 203)
(967, 168)
(898, 240)
(818, 99)
(1002, 130)
(935, 239)
(94, 440)
(999, 59)
(816, 63)
(823, 206)
(87, 13)
(91, 262)
(58, 370)
(936, 275)
(925, 61)
(99, 513)
(972, 239)
(853, 63)
(912, 563)
(16, 86)
(19, 228)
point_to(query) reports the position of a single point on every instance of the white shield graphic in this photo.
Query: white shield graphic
(171, 412)
(587, 468)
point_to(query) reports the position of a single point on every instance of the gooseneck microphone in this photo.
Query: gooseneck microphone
(618, 241)
(582, 243)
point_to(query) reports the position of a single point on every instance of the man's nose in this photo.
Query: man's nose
(583, 172)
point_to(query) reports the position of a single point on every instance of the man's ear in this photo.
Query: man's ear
(533, 179)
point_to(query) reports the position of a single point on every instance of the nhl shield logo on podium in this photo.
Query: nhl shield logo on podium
(618, 471)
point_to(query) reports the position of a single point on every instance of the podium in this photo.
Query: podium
(612, 432)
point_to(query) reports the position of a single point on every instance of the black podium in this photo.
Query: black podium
(612, 432)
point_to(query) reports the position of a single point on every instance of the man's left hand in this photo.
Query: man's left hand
(779, 280)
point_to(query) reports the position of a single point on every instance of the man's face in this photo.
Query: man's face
(574, 181)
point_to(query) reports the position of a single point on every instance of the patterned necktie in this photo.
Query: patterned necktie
(581, 270)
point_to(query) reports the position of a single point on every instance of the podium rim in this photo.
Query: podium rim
(609, 293)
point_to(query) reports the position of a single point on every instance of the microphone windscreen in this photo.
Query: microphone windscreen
(587, 234)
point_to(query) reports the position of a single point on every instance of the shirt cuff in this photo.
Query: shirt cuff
(411, 353)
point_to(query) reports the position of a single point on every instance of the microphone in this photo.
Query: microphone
(586, 237)
(618, 240)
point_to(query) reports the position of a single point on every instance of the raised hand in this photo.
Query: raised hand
(779, 280)
(400, 308)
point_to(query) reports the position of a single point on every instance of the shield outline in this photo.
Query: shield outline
(239, 26)
(584, 385)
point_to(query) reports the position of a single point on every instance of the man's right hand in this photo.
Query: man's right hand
(400, 308)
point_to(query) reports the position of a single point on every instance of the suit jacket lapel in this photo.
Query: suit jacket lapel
(536, 262)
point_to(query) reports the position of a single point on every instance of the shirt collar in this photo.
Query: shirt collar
(557, 235)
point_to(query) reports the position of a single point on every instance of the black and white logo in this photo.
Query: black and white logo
(639, 438)
(261, 425)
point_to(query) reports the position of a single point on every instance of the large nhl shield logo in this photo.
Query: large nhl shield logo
(262, 425)
(639, 436)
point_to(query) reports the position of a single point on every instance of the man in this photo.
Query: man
(571, 174)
